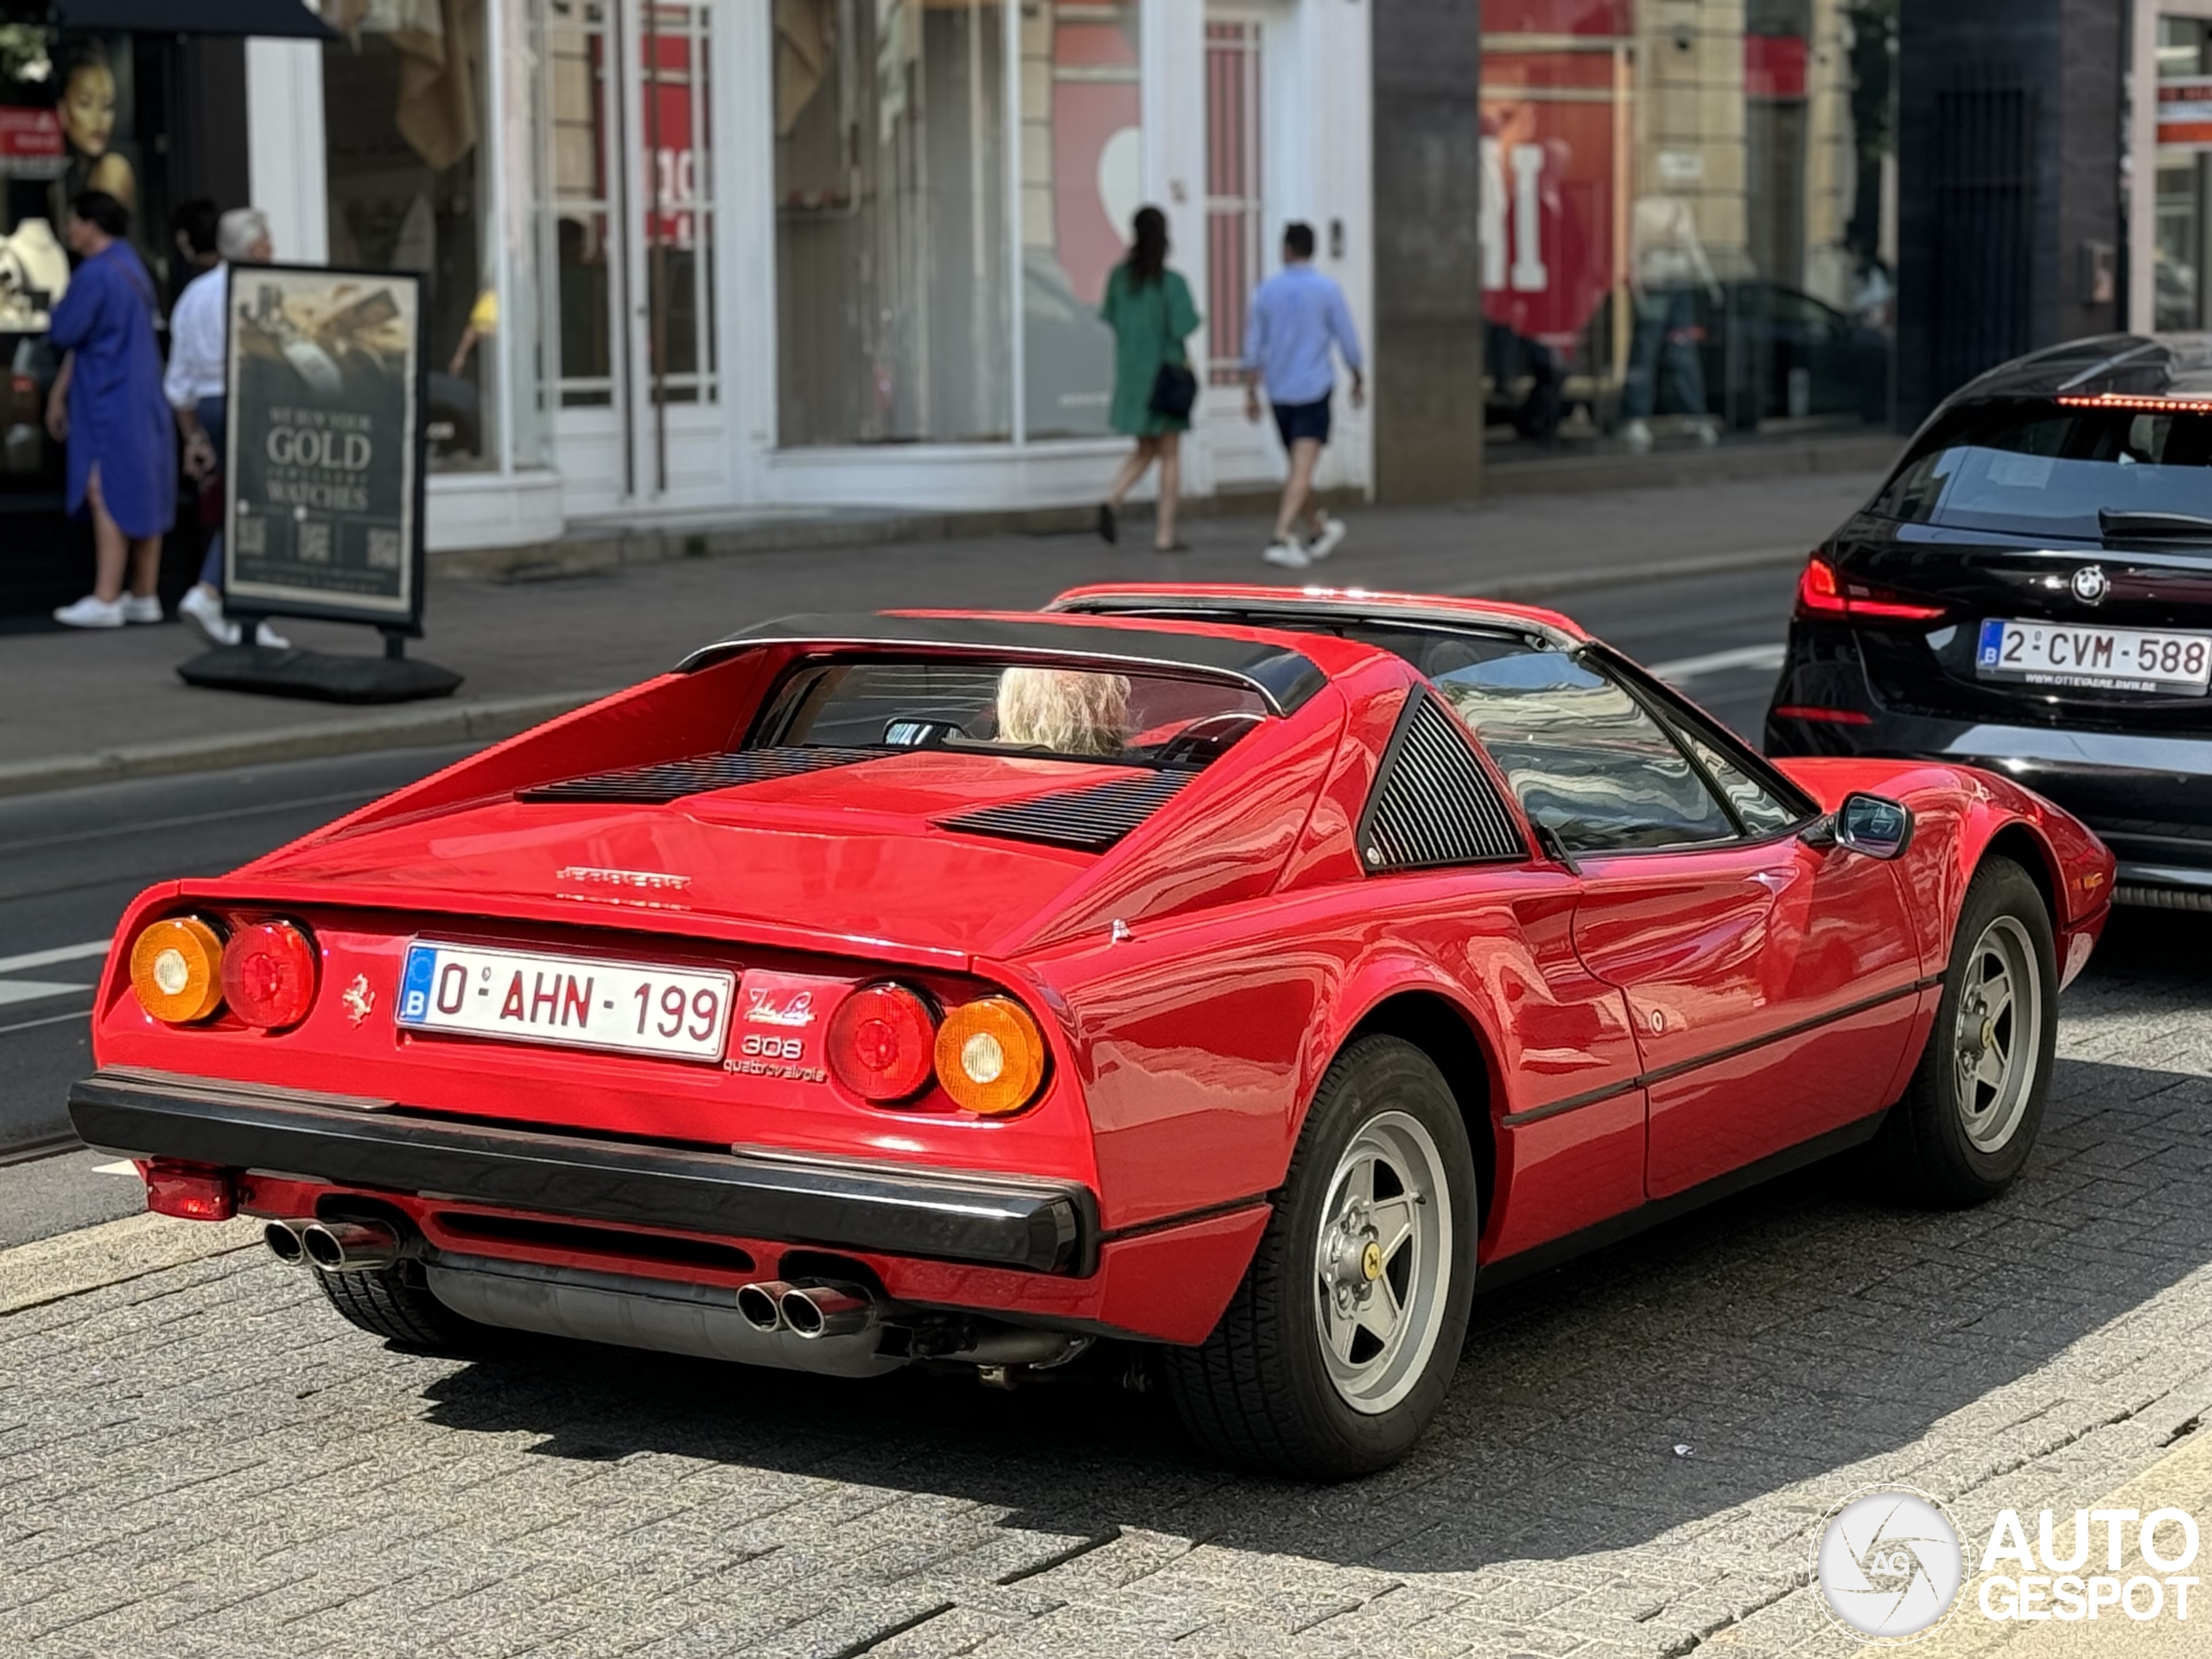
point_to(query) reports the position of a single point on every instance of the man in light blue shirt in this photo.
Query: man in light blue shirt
(1297, 315)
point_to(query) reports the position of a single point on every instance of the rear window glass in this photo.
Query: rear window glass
(1008, 708)
(2040, 469)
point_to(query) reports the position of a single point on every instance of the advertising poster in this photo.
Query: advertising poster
(325, 510)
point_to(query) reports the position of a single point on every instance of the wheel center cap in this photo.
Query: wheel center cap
(1370, 1260)
(1989, 1033)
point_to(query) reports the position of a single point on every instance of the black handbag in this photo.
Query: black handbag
(1175, 388)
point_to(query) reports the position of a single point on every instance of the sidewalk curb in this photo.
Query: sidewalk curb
(490, 719)
(113, 1253)
(468, 720)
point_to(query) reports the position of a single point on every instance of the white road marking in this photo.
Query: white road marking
(1718, 662)
(50, 1019)
(83, 952)
(36, 989)
(31, 990)
(122, 1167)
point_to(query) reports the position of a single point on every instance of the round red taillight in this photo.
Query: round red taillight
(882, 1042)
(269, 973)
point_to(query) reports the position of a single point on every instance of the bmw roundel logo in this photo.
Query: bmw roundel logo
(2089, 584)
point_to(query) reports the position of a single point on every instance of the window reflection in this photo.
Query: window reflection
(1585, 758)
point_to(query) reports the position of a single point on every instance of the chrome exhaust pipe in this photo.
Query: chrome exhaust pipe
(814, 1311)
(760, 1305)
(282, 1238)
(350, 1246)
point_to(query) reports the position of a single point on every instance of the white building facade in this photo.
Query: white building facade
(697, 261)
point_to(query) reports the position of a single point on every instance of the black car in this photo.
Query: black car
(2031, 589)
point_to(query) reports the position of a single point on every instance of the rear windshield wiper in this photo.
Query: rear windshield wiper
(2154, 526)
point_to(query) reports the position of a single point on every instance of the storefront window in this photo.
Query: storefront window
(409, 189)
(2184, 164)
(893, 316)
(1082, 155)
(1688, 218)
(76, 112)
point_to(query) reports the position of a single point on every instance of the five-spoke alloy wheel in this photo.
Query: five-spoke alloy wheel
(1335, 1350)
(1962, 1132)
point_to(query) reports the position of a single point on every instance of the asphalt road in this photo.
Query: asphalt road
(70, 861)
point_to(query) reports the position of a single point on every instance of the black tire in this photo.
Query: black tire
(1259, 1392)
(396, 1303)
(1929, 1152)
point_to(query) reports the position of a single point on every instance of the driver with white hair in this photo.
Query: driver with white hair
(1065, 710)
(195, 388)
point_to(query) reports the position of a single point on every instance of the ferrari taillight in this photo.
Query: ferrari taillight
(882, 1042)
(268, 975)
(1825, 594)
(990, 1056)
(176, 969)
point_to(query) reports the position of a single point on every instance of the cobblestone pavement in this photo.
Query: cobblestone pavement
(203, 1460)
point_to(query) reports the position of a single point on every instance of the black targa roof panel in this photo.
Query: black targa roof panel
(1285, 679)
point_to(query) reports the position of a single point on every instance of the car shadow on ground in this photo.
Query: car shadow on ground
(1781, 1336)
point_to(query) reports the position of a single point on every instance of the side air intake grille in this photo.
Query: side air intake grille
(1092, 819)
(695, 774)
(1433, 803)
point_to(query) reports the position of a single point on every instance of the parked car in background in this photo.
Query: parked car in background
(1767, 354)
(2030, 590)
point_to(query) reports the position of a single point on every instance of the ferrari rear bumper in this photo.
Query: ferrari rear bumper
(1039, 1226)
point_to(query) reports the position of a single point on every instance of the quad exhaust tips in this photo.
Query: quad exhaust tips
(334, 1246)
(808, 1311)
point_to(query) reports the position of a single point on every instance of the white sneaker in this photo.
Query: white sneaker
(90, 612)
(1331, 536)
(1706, 430)
(1287, 554)
(203, 608)
(268, 638)
(1637, 436)
(138, 609)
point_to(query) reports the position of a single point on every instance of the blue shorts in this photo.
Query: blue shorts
(1296, 421)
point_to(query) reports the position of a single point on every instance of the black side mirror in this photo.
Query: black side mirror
(1873, 825)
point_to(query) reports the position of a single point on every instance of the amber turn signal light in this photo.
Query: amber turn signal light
(990, 1056)
(176, 969)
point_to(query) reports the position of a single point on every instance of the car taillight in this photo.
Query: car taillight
(1822, 593)
(268, 975)
(990, 1056)
(190, 1192)
(881, 1042)
(176, 969)
(1828, 717)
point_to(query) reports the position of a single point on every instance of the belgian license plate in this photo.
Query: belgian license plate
(2108, 659)
(580, 1001)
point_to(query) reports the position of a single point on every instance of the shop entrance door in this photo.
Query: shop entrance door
(642, 403)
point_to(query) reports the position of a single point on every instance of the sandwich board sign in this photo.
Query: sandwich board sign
(323, 492)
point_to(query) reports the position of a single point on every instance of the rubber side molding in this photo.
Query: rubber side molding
(1042, 1226)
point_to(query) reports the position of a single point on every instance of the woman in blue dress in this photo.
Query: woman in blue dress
(107, 406)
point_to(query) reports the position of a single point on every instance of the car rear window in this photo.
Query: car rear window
(2041, 469)
(1009, 706)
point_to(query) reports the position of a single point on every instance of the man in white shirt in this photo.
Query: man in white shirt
(195, 388)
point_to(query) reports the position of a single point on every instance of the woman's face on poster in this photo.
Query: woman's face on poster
(88, 108)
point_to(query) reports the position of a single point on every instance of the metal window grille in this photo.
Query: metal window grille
(1234, 212)
(1434, 804)
(1985, 211)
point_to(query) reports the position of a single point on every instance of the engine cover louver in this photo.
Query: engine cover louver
(671, 781)
(1434, 804)
(1089, 819)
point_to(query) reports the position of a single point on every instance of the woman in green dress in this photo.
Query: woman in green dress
(1148, 307)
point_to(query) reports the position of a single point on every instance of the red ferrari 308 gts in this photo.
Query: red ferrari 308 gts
(1247, 972)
